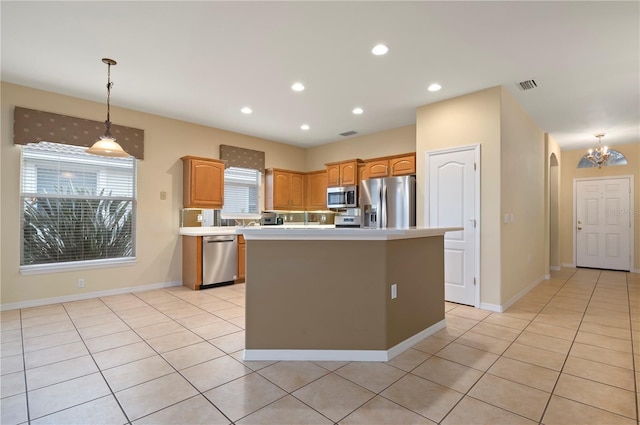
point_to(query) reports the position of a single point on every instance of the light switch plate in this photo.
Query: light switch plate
(394, 291)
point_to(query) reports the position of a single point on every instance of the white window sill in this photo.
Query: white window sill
(76, 265)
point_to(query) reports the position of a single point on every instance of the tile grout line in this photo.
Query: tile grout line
(589, 379)
(486, 372)
(170, 365)
(544, 411)
(24, 370)
(633, 353)
(97, 367)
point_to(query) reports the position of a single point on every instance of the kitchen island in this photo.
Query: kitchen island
(341, 294)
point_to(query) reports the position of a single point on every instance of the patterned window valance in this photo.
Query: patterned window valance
(31, 126)
(242, 158)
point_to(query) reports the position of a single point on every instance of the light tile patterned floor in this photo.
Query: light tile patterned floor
(566, 353)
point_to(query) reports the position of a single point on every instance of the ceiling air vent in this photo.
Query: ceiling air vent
(527, 85)
(349, 133)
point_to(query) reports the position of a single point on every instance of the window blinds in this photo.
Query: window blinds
(76, 206)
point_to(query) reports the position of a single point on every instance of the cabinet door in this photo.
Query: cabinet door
(379, 168)
(348, 173)
(242, 251)
(204, 183)
(317, 191)
(297, 191)
(403, 165)
(281, 189)
(333, 175)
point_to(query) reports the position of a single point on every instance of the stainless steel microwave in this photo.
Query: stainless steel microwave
(342, 197)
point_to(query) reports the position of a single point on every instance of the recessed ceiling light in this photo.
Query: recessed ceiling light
(380, 49)
(305, 127)
(357, 111)
(297, 87)
(434, 87)
(246, 110)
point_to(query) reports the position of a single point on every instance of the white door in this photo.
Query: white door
(452, 202)
(603, 224)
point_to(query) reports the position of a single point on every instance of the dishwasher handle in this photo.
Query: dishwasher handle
(218, 239)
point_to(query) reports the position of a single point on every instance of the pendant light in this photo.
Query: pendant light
(107, 145)
(600, 155)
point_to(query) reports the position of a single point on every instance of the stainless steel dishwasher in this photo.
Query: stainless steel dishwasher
(219, 260)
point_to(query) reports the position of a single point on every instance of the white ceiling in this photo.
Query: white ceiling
(203, 61)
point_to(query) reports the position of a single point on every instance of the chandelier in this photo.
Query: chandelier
(600, 155)
(107, 145)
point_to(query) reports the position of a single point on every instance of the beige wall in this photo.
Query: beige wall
(512, 150)
(523, 196)
(468, 120)
(384, 143)
(569, 172)
(158, 246)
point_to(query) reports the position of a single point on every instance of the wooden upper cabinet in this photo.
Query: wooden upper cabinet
(297, 191)
(398, 165)
(349, 173)
(377, 168)
(284, 190)
(403, 165)
(316, 190)
(242, 252)
(333, 175)
(343, 173)
(202, 182)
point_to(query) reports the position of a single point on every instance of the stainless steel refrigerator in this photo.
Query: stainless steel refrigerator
(388, 202)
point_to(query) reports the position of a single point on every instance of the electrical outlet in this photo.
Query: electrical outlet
(394, 291)
(163, 195)
(80, 283)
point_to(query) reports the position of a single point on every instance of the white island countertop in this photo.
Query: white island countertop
(234, 230)
(317, 232)
(331, 233)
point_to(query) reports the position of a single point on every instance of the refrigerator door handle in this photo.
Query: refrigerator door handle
(383, 196)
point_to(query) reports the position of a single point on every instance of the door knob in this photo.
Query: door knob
(579, 225)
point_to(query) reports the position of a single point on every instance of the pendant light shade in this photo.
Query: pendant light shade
(107, 145)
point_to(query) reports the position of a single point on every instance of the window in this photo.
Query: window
(241, 192)
(77, 208)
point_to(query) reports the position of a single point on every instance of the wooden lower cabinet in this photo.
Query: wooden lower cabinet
(192, 261)
(242, 256)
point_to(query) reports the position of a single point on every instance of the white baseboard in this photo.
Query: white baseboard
(570, 265)
(523, 292)
(497, 308)
(555, 268)
(501, 308)
(342, 355)
(635, 271)
(86, 296)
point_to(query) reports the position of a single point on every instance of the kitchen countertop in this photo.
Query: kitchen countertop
(317, 232)
(331, 233)
(233, 230)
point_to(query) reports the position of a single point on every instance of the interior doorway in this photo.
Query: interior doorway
(554, 213)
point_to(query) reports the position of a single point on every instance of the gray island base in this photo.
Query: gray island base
(326, 294)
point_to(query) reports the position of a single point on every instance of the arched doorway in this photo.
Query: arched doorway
(554, 213)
